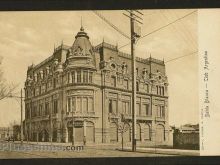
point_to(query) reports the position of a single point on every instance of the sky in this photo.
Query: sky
(29, 37)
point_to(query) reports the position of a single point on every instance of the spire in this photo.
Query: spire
(61, 44)
(81, 29)
(54, 48)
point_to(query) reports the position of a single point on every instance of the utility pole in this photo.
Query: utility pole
(133, 83)
(135, 33)
(73, 127)
(21, 119)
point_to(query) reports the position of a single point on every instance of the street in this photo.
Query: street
(88, 151)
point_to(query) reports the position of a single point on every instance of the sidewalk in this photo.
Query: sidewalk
(179, 152)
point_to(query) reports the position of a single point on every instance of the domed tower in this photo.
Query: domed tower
(81, 54)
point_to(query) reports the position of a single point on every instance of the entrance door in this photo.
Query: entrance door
(90, 132)
(78, 134)
(70, 134)
(113, 132)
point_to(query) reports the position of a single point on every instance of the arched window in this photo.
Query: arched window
(138, 132)
(147, 134)
(160, 133)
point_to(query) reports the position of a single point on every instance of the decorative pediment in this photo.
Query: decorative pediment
(159, 78)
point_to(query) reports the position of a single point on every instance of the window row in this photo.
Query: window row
(141, 110)
(126, 84)
(80, 76)
(41, 109)
(80, 104)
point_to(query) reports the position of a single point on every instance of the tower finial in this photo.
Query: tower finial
(61, 44)
(81, 29)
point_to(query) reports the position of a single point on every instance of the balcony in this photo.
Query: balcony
(129, 116)
(80, 114)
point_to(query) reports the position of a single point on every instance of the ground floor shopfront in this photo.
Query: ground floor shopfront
(88, 132)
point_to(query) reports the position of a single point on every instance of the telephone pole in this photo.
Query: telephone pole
(135, 33)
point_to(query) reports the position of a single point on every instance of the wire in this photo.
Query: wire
(162, 27)
(181, 57)
(179, 33)
(109, 23)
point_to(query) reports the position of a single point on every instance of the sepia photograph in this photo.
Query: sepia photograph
(99, 83)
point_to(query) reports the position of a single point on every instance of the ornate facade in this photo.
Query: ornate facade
(83, 92)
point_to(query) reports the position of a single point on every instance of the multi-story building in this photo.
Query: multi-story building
(83, 92)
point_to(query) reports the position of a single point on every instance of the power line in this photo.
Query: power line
(177, 32)
(112, 25)
(162, 27)
(181, 57)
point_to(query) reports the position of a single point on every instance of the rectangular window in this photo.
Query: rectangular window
(46, 108)
(35, 111)
(113, 81)
(110, 106)
(126, 84)
(39, 89)
(85, 104)
(90, 104)
(54, 83)
(160, 111)
(163, 91)
(128, 109)
(73, 76)
(147, 88)
(79, 104)
(163, 111)
(146, 110)
(55, 106)
(124, 107)
(73, 106)
(114, 106)
(78, 76)
(90, 77)
(69, 105)
(68, 77)
(40, 109)
(137, 86)
(138, 109)
(85, 76)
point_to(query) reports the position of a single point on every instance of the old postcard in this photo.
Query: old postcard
(122, 83)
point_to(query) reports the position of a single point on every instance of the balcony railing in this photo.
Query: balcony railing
(78, 113)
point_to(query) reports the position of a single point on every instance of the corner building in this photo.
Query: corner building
(84, 92)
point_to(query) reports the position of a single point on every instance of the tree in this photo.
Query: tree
(5, 88)
(122, 129)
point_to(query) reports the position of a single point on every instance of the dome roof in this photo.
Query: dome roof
(81, 53)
